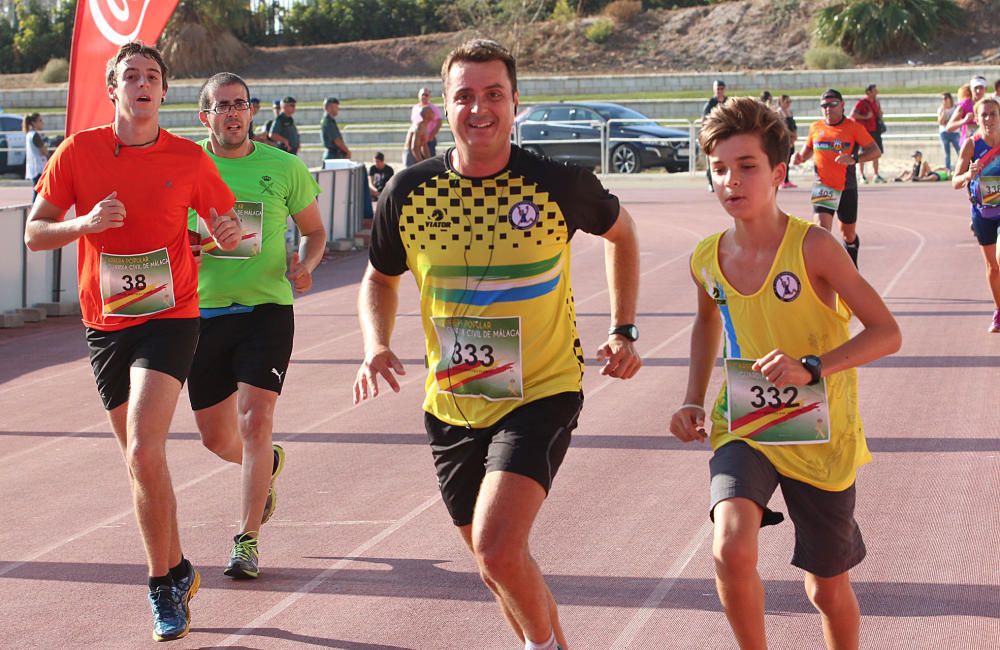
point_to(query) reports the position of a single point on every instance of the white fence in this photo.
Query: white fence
(28, 278)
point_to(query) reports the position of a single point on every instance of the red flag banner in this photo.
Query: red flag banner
(102, 26)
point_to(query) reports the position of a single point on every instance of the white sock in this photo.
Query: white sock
(547, 645)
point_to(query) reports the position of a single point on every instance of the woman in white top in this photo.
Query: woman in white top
(36, 149)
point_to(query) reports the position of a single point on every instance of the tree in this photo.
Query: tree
(199, 38)
(868, 28)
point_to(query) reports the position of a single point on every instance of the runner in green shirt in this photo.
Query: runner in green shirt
(247, 322)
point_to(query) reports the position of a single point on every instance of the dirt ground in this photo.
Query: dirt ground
(750, 34)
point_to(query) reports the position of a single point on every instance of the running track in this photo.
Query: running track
(362, 556)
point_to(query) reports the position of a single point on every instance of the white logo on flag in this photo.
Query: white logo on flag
(121, 12)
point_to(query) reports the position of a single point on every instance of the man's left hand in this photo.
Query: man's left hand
(299, 275)
(619, 357)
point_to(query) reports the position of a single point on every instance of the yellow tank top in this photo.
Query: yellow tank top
(785, 313)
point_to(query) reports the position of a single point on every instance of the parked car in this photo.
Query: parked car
(552, 129)
(11, 144)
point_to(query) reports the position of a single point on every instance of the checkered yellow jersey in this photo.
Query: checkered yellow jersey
(785, 313)
(491, 258)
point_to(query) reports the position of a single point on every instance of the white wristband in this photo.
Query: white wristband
(693, 406)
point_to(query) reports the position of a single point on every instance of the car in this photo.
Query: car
(571, 132)
(11, 144)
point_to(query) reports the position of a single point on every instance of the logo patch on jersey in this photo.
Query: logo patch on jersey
(266, 183)
(438, 220)
(523, 215)
(787, 286)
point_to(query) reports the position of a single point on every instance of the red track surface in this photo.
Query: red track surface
(361, 554)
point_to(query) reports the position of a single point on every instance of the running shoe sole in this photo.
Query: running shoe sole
(240, 573)
(272, 495)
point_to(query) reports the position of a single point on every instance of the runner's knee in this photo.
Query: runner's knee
(255, 423)
(828, 594)
(498, 559)
(146, 461)
(734, 555)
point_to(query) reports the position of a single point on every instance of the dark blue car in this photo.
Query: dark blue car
(571, 132)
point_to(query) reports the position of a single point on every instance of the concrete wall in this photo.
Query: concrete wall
(186, 91)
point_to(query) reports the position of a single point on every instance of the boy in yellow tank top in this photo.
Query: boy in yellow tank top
(780, 293)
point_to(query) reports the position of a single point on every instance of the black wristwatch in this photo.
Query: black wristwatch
(629, 331)
(813, 364)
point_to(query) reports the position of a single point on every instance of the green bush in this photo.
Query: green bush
(826, 57)
(562, 12)
(868, 28)
(600, 30)
(55, 71)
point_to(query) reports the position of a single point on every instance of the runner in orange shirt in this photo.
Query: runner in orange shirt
(838, 144)
(132, 183)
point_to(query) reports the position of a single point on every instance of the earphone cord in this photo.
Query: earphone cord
(465, 290)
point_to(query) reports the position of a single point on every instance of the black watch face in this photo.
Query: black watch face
(630, 332)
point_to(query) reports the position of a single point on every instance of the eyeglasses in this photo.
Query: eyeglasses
(222, 109)
(829, 104)
(425, 94)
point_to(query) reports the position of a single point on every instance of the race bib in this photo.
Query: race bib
(989, 188)
(136, 285)
(251, 216)
(766, 414)
(825, 197)
(480, 357)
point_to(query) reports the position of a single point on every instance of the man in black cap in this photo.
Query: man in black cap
(332, 140)
(837, 143)
(283, 130)
(719, 87)
(378, 175)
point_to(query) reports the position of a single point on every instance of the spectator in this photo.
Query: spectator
(254, 109)
(283, 129)
(922, 172)
(378, 175)
(416, 139)
(435, 124)
(996, 89)
(36, 150)
(719, 87)
(785, 110)
(948, 138)
(868, 113)
(766, 98)
(964, 118)
(332, 140)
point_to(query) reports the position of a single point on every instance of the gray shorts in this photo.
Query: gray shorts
(827, 538)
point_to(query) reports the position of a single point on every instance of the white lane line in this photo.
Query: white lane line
(663, 587)
(59, 437)
(334, 568)
(922, 241)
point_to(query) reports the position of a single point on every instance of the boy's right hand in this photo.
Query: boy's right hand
(107, 213)
(688, 424)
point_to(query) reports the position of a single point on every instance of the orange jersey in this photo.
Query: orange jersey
(157, 185)
(828, 142)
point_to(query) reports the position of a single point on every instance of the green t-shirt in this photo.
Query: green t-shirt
(270, 185)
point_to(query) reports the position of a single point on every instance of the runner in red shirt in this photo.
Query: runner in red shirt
(132, 183)
(868, 113)
(838, 143)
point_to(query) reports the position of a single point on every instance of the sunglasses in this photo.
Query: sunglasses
(829, 104)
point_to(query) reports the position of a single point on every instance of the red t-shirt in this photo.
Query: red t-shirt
(866, 106)
(828, 142)
(148, 269)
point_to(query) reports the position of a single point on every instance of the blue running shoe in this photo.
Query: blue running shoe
(170, 618)
(187, 587)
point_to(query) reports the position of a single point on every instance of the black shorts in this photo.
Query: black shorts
(827, 538)
(877, 137)
(531, 441)
(251, 347)
(162, 344)
(847, 212)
